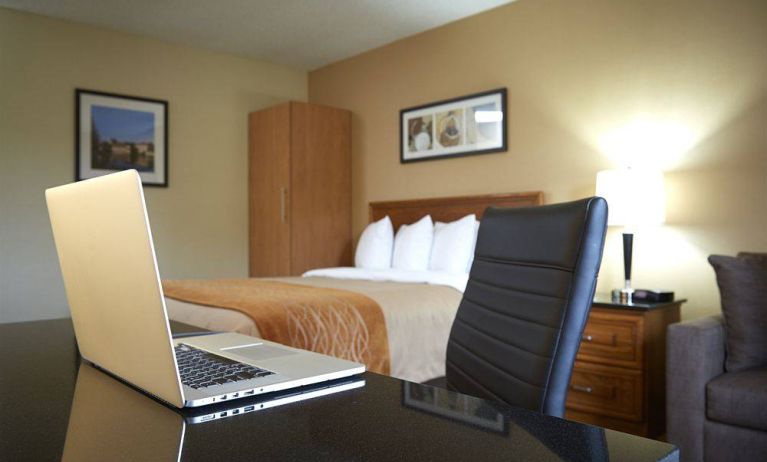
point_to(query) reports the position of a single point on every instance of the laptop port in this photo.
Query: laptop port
(222, 397)
(235, 411)
(209, 417)
(249, 392)
(223, 414)
(248, 408)
(235, 395)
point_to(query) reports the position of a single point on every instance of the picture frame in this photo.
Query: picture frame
(115, 132)
(464, 126)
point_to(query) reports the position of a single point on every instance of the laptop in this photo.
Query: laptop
(108, 418)
(104, 243)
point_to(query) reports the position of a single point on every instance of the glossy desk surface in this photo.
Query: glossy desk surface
(50, 412)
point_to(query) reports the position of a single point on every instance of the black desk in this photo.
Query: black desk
(387, 419)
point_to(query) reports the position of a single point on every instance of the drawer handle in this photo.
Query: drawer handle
(582, 389)
(587, 338)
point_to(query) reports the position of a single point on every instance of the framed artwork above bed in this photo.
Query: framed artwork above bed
(463, 126)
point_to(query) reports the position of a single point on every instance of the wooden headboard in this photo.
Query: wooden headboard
(447, 209)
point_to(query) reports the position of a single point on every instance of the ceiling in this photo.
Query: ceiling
(303, 34)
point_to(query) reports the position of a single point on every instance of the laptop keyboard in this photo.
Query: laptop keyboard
(200, 369)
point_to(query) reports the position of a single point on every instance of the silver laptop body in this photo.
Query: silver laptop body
(107, 259)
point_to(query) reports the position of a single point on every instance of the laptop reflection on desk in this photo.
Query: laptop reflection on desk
(110, 420)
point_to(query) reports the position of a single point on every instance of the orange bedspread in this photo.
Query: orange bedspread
(335, 322)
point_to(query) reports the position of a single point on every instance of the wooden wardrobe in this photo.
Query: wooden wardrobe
(299, 189)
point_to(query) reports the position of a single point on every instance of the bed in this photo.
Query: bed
(417, 308)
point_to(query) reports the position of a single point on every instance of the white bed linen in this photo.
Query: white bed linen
(374, 249)
(440, 278)
(452, 245)
(412, 245)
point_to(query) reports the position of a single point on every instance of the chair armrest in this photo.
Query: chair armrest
(695, 355)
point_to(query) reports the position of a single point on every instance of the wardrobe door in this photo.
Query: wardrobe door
(269, 191)
(321, 187)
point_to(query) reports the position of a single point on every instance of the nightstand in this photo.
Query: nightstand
(619, 377)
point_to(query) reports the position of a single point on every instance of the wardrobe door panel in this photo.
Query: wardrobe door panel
(320, 187)
(269, 191)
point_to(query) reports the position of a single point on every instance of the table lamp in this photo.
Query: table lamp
(635, 198)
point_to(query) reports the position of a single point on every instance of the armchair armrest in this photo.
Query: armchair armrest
(695, 355)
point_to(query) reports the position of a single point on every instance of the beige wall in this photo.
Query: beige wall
(199, 222)
(688, 78)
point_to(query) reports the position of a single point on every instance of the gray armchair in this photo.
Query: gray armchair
(712, 415)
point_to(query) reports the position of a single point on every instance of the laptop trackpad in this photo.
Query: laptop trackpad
(259, 352)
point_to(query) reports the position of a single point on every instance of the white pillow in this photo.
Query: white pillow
(452, 245)
(374, 248)
(412, 245)
(473, 246)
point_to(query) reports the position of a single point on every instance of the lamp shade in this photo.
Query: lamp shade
(634, 197)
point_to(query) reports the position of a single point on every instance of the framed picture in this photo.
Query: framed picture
(118, 132)
(464, 126)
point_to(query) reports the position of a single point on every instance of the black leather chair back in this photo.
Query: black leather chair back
(530, 290)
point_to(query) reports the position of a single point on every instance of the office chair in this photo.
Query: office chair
(530, 289)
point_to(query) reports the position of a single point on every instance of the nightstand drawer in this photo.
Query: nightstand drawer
(604, 390)
(612, 338)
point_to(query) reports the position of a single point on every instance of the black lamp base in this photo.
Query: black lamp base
(626, 294)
